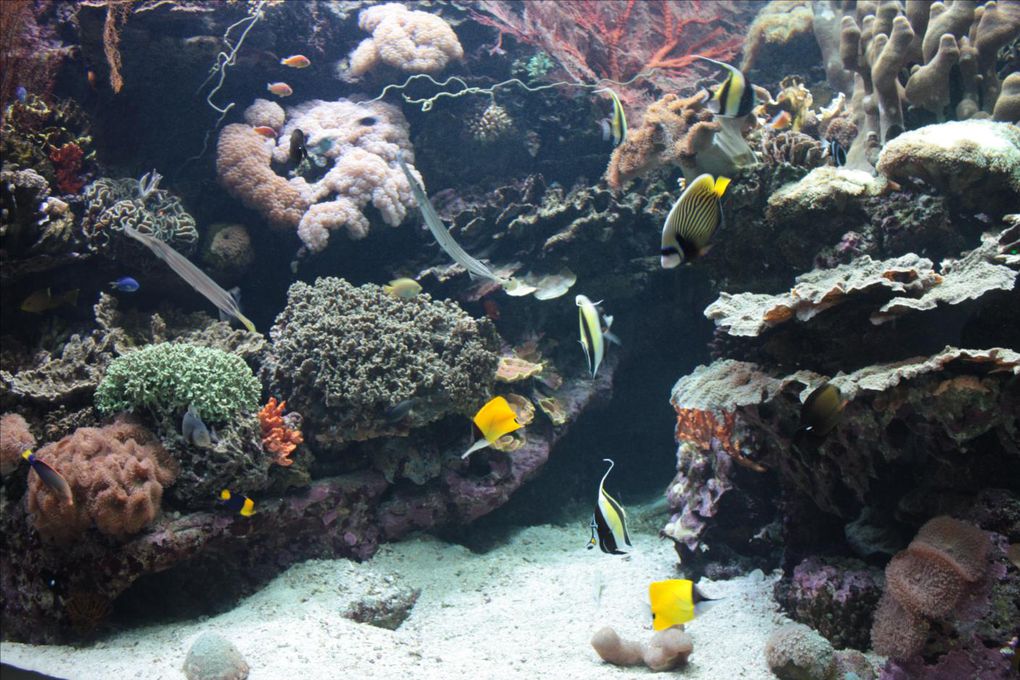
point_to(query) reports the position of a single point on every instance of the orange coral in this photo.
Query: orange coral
(277, 438)
(700, 428)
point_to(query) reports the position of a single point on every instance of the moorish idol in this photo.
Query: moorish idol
(609, 521)
(593, 335)
(735, 97)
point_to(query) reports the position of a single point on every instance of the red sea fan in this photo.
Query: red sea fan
(67, 161)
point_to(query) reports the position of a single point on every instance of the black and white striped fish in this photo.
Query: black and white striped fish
(692, 221)
(735, 97)
(609, 521)
(616, 127)
(593, 335)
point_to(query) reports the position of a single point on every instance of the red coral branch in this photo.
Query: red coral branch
(277, 437)
(67, 164)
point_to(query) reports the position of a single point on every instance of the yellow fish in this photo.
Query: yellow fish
(44, 300)
(735, 97)
(676, 601)
(402, 289)
(493, 420)
(618, 123)
(692, 221)
(238, 503)
(593, 334)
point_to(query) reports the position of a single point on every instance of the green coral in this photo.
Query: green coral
(167, 377)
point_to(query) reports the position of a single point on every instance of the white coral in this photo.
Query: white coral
(412, 41)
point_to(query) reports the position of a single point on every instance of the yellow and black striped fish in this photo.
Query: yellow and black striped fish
(735, 97)
(692, 221)
(609, 521)
(593, 334)
(618, 123)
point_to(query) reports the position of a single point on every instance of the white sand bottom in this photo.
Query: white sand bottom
(524, 610)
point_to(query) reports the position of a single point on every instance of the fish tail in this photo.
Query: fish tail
(388, 289)
(720, 185)
(247, 323)
(27, 454)
(611, 337)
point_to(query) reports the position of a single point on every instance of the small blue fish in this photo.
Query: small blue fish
(194, 430)
(125, 284)
(21, 93)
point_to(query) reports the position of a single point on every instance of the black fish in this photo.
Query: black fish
(837, 153)
(821, 411)
(396, 413)
(298, 152)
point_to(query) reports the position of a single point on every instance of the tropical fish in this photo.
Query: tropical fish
(593, 335)
(676, 601)
(265, 131)
(781, 120)
(296, 61)
(396, 413)
(609, 521)
(692, 221)
(821, 410)
(280, 89)
(125, 284)
(368, 121)
(234, 293)
(49, 476)
(238, 503)
(44, 300)
(735, 97)
(21, 94)
(297, 146)
(402, 289)
(836, 153)
(618, 122)
(194, 430)
(493, 420)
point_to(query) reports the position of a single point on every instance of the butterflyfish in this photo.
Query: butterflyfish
(49, 476)
(280, 89)
(676, 601)
(194, 430)
(692, 221)
(821, 410)
(493, 420)
(618, 122)
(44, 300)
(735, 97)
(238, 503)
(609, 521)
(402, 289)
(296, 61)
(593, 335)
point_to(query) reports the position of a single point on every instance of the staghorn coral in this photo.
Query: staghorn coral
(345, 354)
(407, 40)
(117, 475)
(278, 437)
(112, 203)
(354, 145)
(15, 437)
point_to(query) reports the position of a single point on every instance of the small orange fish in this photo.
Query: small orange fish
(781, 120)
(265, 131)
(280, 89)
(296, 61)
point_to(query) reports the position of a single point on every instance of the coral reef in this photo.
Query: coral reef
(666, 650)
(15, 437)
(345, 354)
(407, 40)
(35, 226)
(352, 162)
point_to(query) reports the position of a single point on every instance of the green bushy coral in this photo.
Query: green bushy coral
(167, 377)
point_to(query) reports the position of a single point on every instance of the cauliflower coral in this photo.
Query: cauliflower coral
(411, 41)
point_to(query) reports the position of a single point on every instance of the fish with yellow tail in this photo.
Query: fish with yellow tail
(609, 521)
(617, 124)
(493, 420)
(50, 477)
(402, 289)
(593, 334)
(676, 601)
(735, 97)
(693, 220)
(238, 503)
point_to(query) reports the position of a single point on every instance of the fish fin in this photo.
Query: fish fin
(720, 185)
(477, 446)
(609, 320)
(611, 337)
(26, 454)
(225, 495)
(704, 605)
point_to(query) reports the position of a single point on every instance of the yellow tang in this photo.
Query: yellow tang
(693, 220)
(493, 420)
(676, 601)
(402, 289)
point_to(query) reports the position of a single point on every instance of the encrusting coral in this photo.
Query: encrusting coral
(351, 161)
(117, 475)
(407, 40)
(15, 437)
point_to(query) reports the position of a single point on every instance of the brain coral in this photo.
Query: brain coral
(352, 161)
(411, 41)
(117, 475)
(168, 377)
(343, 354)
(112, 203)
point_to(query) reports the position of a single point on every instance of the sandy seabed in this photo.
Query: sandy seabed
(523, 610)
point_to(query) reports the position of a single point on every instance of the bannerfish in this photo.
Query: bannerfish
(402, 289)
(44, 300)
(781, 120)
(609, 521)
(821, 410)
(49, 476)
(735, 97)
(836, 153)
(298, 152)
(194, 430)
(676, 601)
(265, 131)
(396, 413)
(618, 121)
(296, 61)
(593, 335)
(692, 221)
(493, 420)
(280, 89)
(238, 503)
(125, 284)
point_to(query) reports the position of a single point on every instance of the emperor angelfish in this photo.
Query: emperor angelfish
(735, 97)
(693, 220)
(593, 336)
(609, 521)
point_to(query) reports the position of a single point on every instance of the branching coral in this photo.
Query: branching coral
(277, 436)
(407, 40)
(117, 475)
(357, 144)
